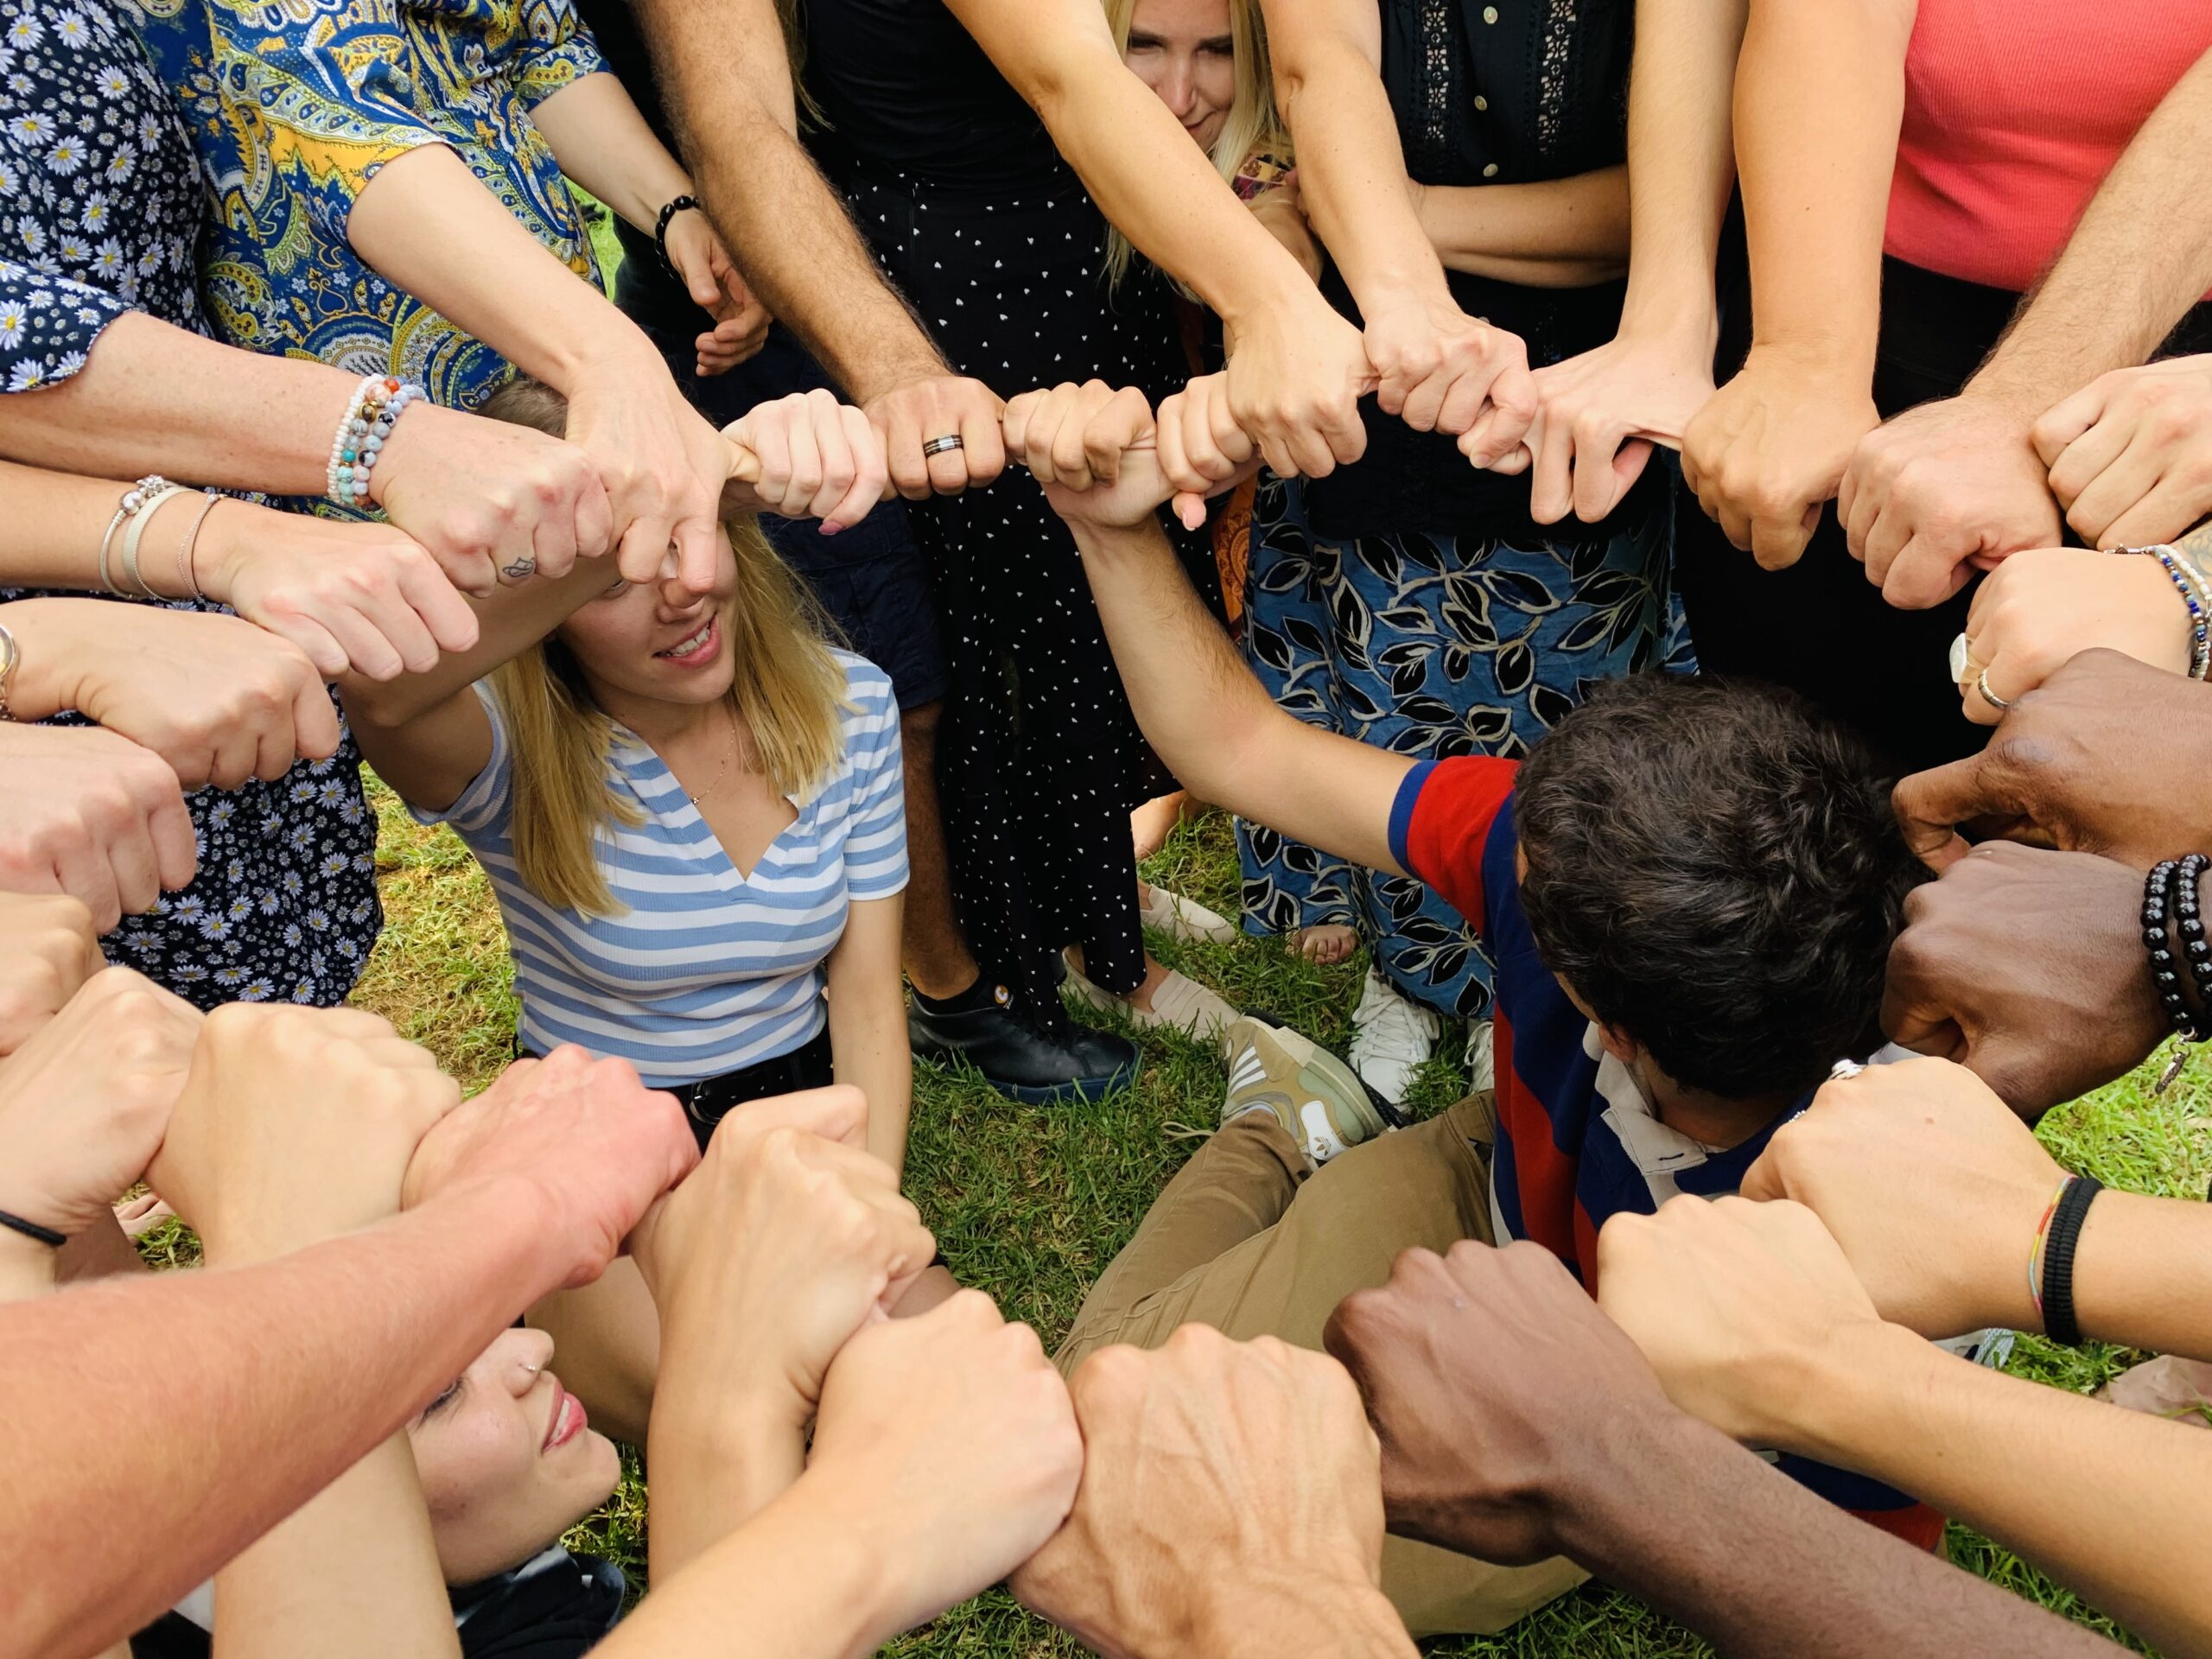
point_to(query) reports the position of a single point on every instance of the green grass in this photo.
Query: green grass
(1030, 1204)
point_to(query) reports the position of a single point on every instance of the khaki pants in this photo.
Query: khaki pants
(1242, 1240)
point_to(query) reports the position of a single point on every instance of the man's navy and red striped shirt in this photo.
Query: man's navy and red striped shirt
(1578, 1142)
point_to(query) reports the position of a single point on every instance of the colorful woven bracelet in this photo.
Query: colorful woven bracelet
(359, 442)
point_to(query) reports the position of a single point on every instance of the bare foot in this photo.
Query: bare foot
(1327, 945)
(1150, 824)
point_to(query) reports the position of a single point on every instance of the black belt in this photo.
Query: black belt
(707, 1102)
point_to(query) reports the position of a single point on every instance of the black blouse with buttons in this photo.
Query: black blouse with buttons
(1491, 91)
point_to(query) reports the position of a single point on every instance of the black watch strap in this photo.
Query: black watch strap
(2058, 1321)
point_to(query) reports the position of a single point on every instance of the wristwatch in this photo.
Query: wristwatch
(10, 655)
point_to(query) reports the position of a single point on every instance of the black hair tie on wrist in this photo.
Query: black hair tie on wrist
(2066, 1218)
(31, 1230)
(681, 204)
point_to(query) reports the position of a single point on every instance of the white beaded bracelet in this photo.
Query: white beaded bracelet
(377, 405)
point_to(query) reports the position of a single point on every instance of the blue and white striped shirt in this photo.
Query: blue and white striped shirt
(699, 970)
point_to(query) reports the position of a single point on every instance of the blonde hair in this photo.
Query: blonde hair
(788, 691)
(1254, 126)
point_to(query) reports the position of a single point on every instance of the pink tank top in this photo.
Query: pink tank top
(2015, 110)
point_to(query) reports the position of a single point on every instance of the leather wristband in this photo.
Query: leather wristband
(2066, 1218)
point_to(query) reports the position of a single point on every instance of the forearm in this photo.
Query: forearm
(1351, 171)
(1681, 164)
(426, 224)
(358, 1558)
(720, 1455)
(2140, 258)
(1134, 156)
(1266, 1621)
(603, 143)
(1713, 1536)
(27, 1266)
(725, 81)
(52, 535)
(868, 1039)
(1562, 233)
(1211, 723)
(1819, 98)
(155, 398)
(2143, 1273)
(796, 1581)
(274, 1380)
(2108, 1502)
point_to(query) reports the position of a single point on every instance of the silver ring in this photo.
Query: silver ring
(519, 570)
(1981, 685)
(1843, 1070)
(944, 445)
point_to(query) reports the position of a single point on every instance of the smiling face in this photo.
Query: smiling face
(507, 1461)
(654, 640)
(1183, 51)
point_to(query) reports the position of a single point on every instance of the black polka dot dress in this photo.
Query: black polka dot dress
(1040, 760)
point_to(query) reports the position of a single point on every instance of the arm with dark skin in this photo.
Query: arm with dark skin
(1518, 1422)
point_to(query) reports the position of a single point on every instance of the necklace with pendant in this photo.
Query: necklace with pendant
(722, 772)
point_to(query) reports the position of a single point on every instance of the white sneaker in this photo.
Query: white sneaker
(1482, 1056)
(1394, 1035)
(1186, 918)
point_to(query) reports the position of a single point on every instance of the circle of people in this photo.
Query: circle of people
(1674, 527)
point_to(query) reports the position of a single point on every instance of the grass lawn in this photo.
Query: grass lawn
(1029, 1205)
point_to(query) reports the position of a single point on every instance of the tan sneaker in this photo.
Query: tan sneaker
(1313, 1095)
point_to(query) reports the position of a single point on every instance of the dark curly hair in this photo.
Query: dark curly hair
(1715, 869)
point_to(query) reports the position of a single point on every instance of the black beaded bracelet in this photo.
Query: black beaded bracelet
(2066, 1218)
(31, 1230)
(2167, 934)
(680, 204)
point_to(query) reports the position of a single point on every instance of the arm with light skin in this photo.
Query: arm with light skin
(428, 225)
(1564, 232)
(944, 1455)
(1958, 484)
(724, 73)
(427, 735)
(1297, 368)
(867, 1022)
(1599, 413)
(155, 398)
(348, 1340)
(1751, 1316)
(1518, 1422)
(1439, 368)
(352, 597)
(1820, 98)
(603, 143)
(1211, 723)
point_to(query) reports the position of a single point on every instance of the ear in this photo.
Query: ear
(1618, 1044)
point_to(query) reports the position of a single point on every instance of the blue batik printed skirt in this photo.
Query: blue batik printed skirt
(1433, 646)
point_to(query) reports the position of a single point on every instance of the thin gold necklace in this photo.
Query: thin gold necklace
(694, 800)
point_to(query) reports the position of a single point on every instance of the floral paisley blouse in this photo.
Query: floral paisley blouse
(294, 107)
(100, 210)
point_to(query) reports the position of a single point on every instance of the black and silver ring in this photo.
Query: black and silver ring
(942, 446)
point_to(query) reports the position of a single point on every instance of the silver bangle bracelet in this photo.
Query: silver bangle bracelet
(131, 537)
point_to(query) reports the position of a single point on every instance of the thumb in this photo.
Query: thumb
(1931, 804)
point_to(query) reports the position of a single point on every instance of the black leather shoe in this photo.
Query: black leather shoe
(1019, 1061)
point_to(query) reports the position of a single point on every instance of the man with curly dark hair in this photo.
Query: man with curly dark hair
(1689, 888)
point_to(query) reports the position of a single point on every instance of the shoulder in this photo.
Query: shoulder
(868, 702)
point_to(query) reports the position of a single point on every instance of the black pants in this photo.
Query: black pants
(707, 1102)
(1820, 627)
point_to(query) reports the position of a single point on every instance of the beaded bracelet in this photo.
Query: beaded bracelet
(126, 508)
(376, 407)
(2163, 889)
(2189, 583)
